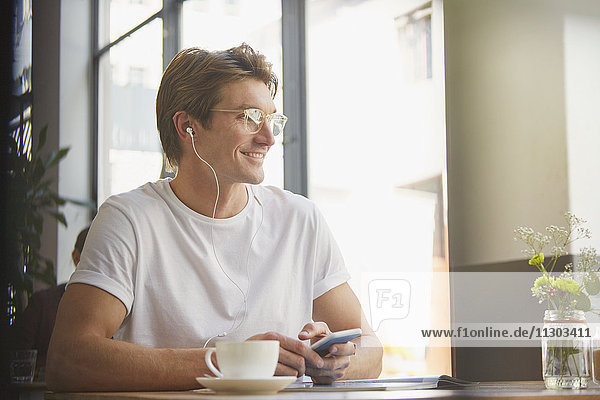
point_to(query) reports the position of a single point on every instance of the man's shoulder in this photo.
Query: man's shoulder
(287, 209)
(140, 198)
(280, 198)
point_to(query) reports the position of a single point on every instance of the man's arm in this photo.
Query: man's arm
(83, 357)
(340, 309)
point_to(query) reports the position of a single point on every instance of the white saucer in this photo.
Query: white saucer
(247, 386)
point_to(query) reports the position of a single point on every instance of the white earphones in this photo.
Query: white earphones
(233, 328)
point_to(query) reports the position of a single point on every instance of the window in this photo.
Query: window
(130, 63)
(117, 17)
(376, 159)
(129, 151)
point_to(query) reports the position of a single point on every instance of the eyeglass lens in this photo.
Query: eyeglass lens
(255, 119)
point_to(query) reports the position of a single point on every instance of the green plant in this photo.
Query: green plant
(565, 359)
(31, 198)
(571, 289)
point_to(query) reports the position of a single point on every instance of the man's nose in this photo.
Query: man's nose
(265, 135)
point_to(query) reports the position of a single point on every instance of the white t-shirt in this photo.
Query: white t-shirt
(153, 253)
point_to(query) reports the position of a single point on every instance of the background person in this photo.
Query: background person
(34, 327)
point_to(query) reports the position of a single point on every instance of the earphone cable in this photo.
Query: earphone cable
(262, 215)
(244, 295)
(212, 224)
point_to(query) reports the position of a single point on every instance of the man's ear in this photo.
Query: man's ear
(182, 122)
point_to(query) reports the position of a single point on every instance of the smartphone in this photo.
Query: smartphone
(322, 346)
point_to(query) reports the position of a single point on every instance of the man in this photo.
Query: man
(176, 265)
(34, 327)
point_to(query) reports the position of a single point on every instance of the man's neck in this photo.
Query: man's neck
(198, 192)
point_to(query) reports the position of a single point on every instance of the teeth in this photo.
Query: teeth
(255, 155)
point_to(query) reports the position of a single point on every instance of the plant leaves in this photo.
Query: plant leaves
(38, 224)
(37, 172)
(58, 215)
(31, 199)
(46, 275)
(56, 156)
(582, 302)
(42, 137)
(84, 203)
(592, 284)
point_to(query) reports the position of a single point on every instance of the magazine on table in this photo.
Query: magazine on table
(405, 383)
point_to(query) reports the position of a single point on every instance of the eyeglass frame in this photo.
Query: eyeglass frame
(264, 118)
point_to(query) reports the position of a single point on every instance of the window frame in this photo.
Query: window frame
(294, 92)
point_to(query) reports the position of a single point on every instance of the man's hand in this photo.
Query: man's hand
(336, 362)
(295, 357)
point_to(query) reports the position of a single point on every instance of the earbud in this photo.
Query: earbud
(190, 131)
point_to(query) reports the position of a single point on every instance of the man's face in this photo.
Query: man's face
(236, 155)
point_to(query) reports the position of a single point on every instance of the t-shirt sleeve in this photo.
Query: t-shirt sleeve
(330, 270)
(108, 258)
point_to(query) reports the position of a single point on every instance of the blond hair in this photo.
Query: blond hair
(193, 81)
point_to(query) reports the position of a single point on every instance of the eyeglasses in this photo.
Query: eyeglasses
(254, 119)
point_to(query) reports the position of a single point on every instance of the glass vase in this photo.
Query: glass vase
(566, 350)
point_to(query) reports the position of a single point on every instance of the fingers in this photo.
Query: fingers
(321, 380)
(285, 370)
(333, 370)
(291, 363)
(297, 359)
(314, 329)
(335, 363)
(335, 366)
(343, 349)
(296, 348)
(294, 355)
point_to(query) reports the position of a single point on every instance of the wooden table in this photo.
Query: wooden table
(495, 391)
(24, 391)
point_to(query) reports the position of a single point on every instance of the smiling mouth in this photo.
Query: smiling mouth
(258, 156)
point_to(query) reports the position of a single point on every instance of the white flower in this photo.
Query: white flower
(579, 281)
(558, 251)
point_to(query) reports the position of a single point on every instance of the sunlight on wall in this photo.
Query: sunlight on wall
(582, 96)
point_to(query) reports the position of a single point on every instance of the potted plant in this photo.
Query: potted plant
(566, 341)
(31, 197)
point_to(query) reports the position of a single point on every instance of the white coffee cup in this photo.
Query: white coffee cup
(254, 359)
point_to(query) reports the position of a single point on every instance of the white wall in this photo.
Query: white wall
(61, 82)
(508, 88)
(582, 87)
(74, 123)
(45, 88)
